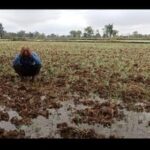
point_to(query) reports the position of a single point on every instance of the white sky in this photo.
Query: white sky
(62, 21)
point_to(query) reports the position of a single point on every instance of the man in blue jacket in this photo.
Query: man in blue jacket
(27, 63)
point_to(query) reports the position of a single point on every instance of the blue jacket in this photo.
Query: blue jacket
(33, 60)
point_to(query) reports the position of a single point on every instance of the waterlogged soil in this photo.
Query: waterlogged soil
(81, 119)
(59, 103)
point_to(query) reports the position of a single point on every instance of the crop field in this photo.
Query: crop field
(84, 90)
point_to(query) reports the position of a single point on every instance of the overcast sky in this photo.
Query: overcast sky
(62, 21)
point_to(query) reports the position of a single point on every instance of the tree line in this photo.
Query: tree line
(88, 33)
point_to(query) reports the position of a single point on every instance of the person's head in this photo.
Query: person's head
(25, 52)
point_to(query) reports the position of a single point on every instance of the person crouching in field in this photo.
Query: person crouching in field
(27, 64)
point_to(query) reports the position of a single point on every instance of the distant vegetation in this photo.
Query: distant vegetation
(88, 34)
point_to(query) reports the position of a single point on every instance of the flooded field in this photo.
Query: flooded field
(131, 125)
(84, 90)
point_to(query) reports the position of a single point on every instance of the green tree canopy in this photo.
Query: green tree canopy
(88, 31)
(1, 30)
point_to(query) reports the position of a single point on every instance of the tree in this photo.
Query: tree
(97, 34)
(88, 32)
(73, 33)
(21, 34)
(104, 35)
(85, 35)
(53, 35)
(108, 30)
(30, 35)
(36, 35)
(12, 35)
(114, 33)
(135, 34)
(5, 35)
(78, 33)
(42, 36)
(1, 30)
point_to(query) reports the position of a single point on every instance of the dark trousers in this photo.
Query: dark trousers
(31, 70)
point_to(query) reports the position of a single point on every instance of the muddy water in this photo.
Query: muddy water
(42, 127)
(134, 124)
(7, 124)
